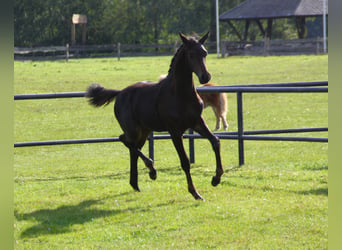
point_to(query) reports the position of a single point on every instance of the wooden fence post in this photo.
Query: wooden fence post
(67, 53)
(317, 46)
(119, 51)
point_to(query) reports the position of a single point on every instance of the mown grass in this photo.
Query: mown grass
(78, 196)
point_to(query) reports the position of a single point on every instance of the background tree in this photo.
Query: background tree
(48, 22)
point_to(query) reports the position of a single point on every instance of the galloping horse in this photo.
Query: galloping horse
(171, 105)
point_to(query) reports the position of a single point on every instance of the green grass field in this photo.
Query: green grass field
(79, 197)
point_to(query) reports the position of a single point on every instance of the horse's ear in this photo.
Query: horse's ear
(183, 37)
(205, 37)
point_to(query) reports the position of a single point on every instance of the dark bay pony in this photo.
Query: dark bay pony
(171, 105)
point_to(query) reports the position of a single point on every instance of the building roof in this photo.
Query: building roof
(263, 9)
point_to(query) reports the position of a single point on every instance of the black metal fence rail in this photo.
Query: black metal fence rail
(222, 135)
(48, 96)
(240, 135)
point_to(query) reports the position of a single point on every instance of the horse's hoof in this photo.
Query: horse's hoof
(153, 174)
(215, 181)
(135, 187)
(198, 197)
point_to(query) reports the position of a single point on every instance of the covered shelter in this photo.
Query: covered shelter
(257, 10)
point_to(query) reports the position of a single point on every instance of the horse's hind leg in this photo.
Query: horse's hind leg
(203, 130)
(185, 163)
(134, 170)
(136, 147)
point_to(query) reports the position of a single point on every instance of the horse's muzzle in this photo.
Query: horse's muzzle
(204, 78)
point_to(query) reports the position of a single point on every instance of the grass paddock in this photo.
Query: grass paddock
(78, 196)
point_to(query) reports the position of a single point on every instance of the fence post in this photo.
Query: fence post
(151, 146)
(240, 128)
(191, 147)
(67, 52)
(318, 46)
(119, 51)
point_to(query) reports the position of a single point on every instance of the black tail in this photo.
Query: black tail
(99, 96)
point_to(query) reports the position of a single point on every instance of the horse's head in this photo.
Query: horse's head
(196, 54)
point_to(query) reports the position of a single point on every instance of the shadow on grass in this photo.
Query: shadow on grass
(81, 178)
(317, 191)
(268, 182)
(315, 167)
(60, 220)
(263, 187)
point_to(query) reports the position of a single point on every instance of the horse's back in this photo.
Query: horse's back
(137, 104)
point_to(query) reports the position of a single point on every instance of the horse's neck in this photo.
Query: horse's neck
(181, 77)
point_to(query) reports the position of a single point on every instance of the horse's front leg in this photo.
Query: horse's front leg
(149, 164)
(218, 119)
(185, 162)
(134, 169)
(203, 130)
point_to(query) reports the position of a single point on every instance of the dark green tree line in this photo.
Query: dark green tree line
(48, 22)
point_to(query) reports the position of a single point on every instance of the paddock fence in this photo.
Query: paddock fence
(93, 51)
(228, 48)
(273, 47)
(241, 135)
